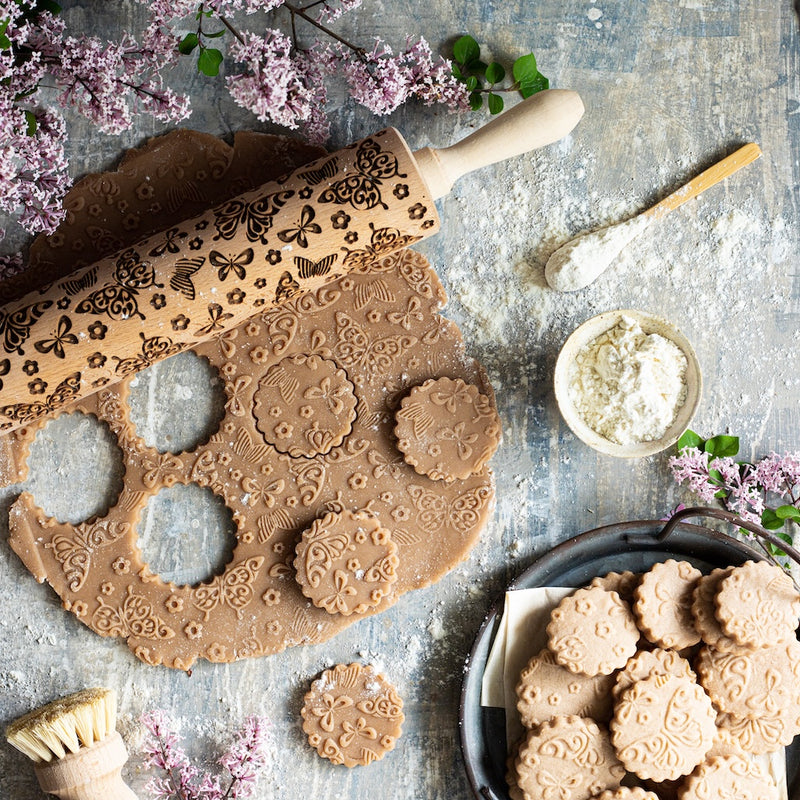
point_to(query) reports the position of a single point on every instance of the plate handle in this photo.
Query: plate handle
(762, 534)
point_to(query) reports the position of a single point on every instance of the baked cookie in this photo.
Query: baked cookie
(346, 562)
(663, 727)
(663, 604)
(592, 631)
(626, 793)
(568, 757)
(352, 715)
(446, 429)
(546, 690)
(755, 683)
(623, 583)
(704, 611)
(759, 735)
(729, 776)
(757, 605)
(651, 662)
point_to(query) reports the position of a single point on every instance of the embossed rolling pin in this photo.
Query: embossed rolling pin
(207, 275)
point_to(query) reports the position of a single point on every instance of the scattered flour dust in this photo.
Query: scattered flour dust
(701, 268)
(628, 385)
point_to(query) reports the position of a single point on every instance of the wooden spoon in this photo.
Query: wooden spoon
(580, 261)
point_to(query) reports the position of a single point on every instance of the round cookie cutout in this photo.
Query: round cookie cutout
(757, 605)
(592, 631)
(759, 735)
(704, 611)
(346, 562)
(663, 604)
(753, 683)
(546, 689)
(652, 662)
(568, 757)
(446, 429)
(663, 727)
(305, 405)
(352, 715)
(729, 776)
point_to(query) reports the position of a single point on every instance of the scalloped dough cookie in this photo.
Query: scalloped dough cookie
(663, 604)
(729, 776)
(592, 631)
(663, 727)
(568, 755)
(757, 605)
(546, 689)
(352, 715)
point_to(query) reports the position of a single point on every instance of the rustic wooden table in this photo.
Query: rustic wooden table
(669, 87)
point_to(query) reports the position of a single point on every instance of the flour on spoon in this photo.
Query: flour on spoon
(580, 261)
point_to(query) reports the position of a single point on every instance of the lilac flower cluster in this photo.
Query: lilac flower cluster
(183, 781)
(743, 488)
(111, 82)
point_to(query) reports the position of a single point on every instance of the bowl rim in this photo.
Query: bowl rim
(590, 330)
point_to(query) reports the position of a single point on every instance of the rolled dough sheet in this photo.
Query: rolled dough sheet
(520, 634)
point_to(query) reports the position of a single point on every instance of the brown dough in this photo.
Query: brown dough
(255, 606)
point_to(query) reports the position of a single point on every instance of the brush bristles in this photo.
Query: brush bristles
(65, 725)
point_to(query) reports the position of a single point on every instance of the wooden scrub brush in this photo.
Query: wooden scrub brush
(74, 743)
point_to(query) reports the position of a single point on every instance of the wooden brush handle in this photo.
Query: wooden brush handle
(92, 773)
(705, 180)
(541, 119)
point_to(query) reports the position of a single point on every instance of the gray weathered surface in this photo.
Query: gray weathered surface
(669, 86)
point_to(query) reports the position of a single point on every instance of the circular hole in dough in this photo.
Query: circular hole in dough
(177, 404)
(186, 534)
(76, 468)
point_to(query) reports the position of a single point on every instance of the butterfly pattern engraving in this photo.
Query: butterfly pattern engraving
(15, 326)
(362, 189)
(135, 617)
(64, 392)
(355, 347)
(118, 300)
(234, 588)
(255, 216)
(154, 349)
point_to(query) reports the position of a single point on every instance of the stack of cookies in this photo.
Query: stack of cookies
(662, 685)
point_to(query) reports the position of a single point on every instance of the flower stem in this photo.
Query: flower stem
(300, 12)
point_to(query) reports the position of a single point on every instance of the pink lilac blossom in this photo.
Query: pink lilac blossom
(112, 82)
(181, 781)
(741, 487)
(271, 86)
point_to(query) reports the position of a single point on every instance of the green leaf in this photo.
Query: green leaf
(787, 512)
(466, 49)
(188, 43)
(457, 73)
(5, 42)
(214, 35)
(478, 67)
(525, 69)
(770, 520)
(690, 439)
(209, 60)
(716, 476)
(495, 103)
(472, 83)
(49, 5)
(720, 446)
(475, 101)
(495, 72)
(532, 87)
(32, 123)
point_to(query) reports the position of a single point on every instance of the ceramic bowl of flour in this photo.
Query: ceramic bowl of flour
(627, 383)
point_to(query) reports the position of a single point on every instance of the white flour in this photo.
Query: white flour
(628, 385)
(580, 261)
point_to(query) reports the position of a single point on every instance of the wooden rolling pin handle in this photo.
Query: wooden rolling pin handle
(539, 120)
(91, 773)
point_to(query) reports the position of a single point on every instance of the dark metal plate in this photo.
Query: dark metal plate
(634, 546)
